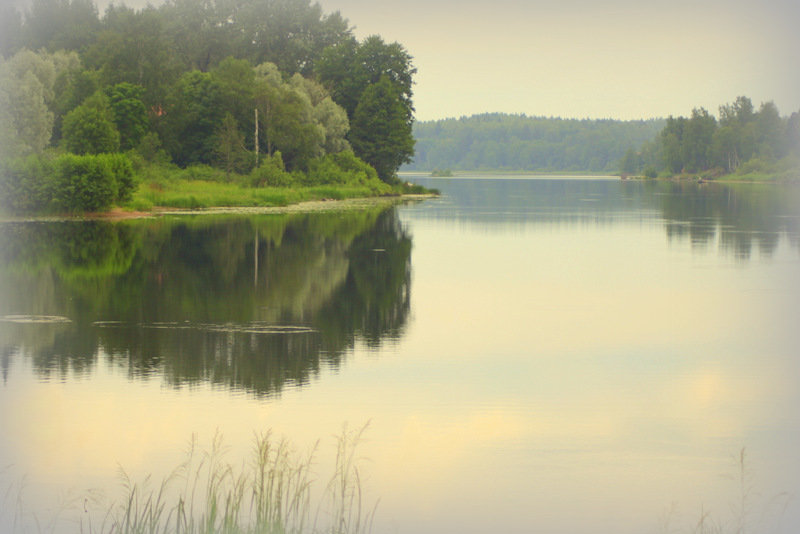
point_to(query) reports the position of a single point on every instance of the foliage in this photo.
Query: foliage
(369, 75)
(194, 109)
(271, 172)
(744, 142)
(344, 168)
(90, 128)
(83, 183)
(67, 183)
(26, 184)
(122, 170)
(26, 93)
(499, 141)
(229, 149)
(128, 112)
(177, 85)
(381, 133)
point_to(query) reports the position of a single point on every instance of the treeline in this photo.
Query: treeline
(745, 141)
(499, 141)
(233, 85)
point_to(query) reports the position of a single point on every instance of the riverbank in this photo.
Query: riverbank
(306, 206)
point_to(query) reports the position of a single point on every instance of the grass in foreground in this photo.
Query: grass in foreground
(274, 493)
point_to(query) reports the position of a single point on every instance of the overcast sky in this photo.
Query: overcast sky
(580, 58)
(624, 59)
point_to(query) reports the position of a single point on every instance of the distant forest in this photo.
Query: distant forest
(758, 144)
(499, 141)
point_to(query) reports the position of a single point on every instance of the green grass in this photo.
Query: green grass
(170, 187)
(194, 194)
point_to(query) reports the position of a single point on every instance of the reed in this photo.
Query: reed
(271, 493)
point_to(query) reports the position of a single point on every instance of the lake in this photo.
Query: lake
(528, 354)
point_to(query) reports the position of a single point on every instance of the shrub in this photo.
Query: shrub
(203, 172)
(83, 183)
(26, 184)
(341, 168)
(122, 169)
(271, 173)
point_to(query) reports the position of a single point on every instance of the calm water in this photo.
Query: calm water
(531, 354)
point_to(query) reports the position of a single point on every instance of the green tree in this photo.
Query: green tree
(696, 143)
(734, 142)
(72, 87)
(128, 112)
(134, 47)
(202, 33)
(27, 82)
(770, 132)
(236, 80)
(286, 118)
(381, 131)
(229, 148)
(348, 68)
(630, 163)
(60, 25)
(290, 33)
(671, 138)
(194, 110)
(90, 129)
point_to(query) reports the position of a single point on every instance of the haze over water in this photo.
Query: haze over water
(532, 354)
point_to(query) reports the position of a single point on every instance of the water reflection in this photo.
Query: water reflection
(251, 303)
(737, 219)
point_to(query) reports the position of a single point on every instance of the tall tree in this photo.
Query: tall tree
(672, 142)
(27, 80)
(696, 143)
(193, 112)
(229, 148)
(290, 33)
(135, 47)
(128, 112)
(348, 68)
(60, 25)
(381, 130)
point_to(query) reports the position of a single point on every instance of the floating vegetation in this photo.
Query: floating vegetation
(34, 319)
(246, 328)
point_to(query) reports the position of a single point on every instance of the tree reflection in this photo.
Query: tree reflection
(738, 218)
(251, 303)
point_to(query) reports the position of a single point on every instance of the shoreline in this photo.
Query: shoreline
(695, 180)
(307, 206)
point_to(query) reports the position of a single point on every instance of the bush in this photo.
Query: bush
(26, 184)
(122, 169)
(203, 172)
(650, 172)
(341, 168)
(83, 183)
(271, 173)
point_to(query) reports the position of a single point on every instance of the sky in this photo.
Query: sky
(621, 59)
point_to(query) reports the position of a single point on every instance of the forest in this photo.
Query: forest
(507, 142)
(744, 143)
(114, 108)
